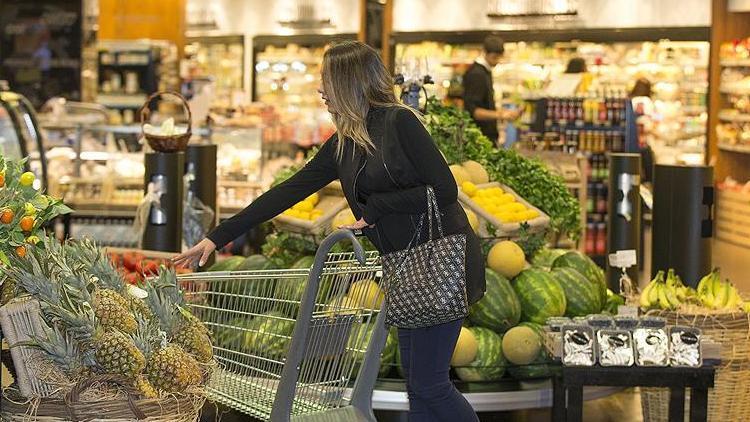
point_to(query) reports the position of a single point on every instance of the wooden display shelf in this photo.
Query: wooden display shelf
(729, 115)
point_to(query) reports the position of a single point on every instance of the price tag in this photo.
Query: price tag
(623, 259)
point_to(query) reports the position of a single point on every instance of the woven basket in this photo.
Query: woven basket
(729, 400)
(20, 320)
(183, 408)
(171, 143)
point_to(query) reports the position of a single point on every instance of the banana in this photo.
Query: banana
(663, 301)
(716, 286)
(653, 294)
(645, 302)
(746, 307)
(707, 298)
(674, 302)
(733, 300)
(706, 281)
(725, 293)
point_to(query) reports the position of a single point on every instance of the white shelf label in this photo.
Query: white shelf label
(623, 259)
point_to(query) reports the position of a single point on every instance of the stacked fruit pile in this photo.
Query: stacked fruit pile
(99, 324)
(498, 203)
(136, 267)
(505, 327)
(306, 209)
(711, 294)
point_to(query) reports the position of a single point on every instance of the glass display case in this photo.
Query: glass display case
(218, 61)
(20, 136)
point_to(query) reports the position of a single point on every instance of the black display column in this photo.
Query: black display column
(201, 162)
(624, 213)
(683, 221)
(163, 230)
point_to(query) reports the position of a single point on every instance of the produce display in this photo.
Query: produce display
(306, 210)
(712, 294)
(499, 204)
(96, 323)
(136, 267)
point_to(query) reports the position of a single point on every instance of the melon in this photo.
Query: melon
(476, 171)
(541, 366)
(506, 258)
(540, 295)
(489, 363)
(359, 339)
(586, 266)
(293, 289)
(255, 262)
(269, 334)
(521, 345)
(499, 308)
(473, 220)
(228, 264)
(546, 256)
(367, 294)
(460, 174)
(466, 348)
(581, 296)
(344, 217)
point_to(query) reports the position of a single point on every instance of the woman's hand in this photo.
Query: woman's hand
(359, 225)
(197, 254)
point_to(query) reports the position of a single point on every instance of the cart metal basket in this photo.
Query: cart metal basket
(297, 344)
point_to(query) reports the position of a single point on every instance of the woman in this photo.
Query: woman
(384, 182)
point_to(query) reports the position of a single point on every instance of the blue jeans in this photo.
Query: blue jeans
(425, 357)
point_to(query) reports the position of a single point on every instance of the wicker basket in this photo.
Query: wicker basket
(171, 143)
(183, 408)
(20, 319)
(729, 400)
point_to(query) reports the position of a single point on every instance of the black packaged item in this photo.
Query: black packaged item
(651, 342)
(615, 348)
(685, 347)
(579, 346)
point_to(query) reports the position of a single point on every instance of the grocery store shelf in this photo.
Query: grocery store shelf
(733, 116)
(735, 62)
(743, 149)
(694, 109)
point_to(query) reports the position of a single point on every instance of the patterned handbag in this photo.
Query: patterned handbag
(426, 284)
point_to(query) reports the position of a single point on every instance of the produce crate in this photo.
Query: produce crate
(329, 204)
(733, 217)
(503, 229)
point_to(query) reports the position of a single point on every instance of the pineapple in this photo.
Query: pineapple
(173, 370)
(145, 388)
(113, 311)
(116, 353)
(182, 328)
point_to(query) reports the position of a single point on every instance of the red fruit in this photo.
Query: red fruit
(139, 266)
(150, 267)
(133, 278)
(129, 261)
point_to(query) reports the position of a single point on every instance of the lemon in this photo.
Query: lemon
(293, 213)
(517, 207)
(497, 190)
(469, 188)
(313, 199)
(505, 217)
(303, 215)
(506, 198)
(531, 214)
(303, 206)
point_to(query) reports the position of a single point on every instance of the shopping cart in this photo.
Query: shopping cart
(296, 344)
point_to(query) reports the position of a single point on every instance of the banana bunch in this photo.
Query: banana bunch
(716, 294)
(667, 293)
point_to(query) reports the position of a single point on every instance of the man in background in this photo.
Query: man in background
(479, 95)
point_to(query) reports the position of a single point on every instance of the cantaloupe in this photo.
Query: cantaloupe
(506, 258)
(367, 294)
(344, 217)
(466, 348)
(460, 174)
(477, 173)
(521, 345)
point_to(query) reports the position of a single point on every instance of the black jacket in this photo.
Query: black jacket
(479, 92)
(404, 162)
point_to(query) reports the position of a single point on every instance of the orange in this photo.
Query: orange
(27, 223)
(21, 251)
(6, 217)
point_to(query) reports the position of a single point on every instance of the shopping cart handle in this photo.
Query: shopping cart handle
(335, 237)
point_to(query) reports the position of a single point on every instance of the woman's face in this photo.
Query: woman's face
(322, 92)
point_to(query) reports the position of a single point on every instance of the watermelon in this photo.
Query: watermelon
(228, 264)
(546, 256)
(490, 364)
(499, 309)
(293, 289)
(268, 335)
(581, 296)
(541, 296)
(231, 336)
(540, 367)
(255, 262)
(390, 350)
(587, 267)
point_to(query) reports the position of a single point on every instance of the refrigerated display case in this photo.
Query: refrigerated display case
(20, 136)
(287, 75)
